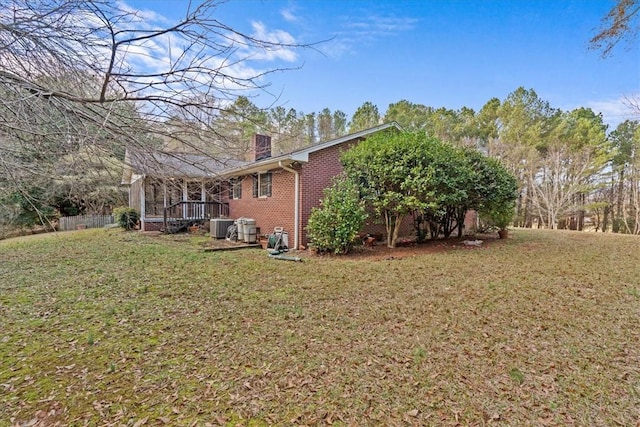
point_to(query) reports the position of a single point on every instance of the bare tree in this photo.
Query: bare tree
(632, 102)
(50, 48)
(97, 72)
(562, 175)
(620, 23)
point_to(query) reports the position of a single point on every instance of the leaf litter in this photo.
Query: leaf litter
(522, 332)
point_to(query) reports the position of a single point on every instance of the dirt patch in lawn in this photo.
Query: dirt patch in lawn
(409, 248)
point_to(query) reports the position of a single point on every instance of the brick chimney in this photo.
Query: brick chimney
(261, 145)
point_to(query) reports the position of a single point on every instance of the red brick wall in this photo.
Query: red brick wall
(471, 222)
(269, 212)
(153, 226)
(316, 176)
(278, 210)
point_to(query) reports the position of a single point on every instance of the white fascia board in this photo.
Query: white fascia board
(262, 166)
(302, 157)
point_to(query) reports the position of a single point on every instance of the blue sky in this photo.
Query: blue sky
(437, 53)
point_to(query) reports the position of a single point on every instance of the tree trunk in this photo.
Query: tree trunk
(620, 193)
(392, 222)
(635, 203)
(583, 198)
(389, 227)
(619, 202)
(527, 217)
(461, 214)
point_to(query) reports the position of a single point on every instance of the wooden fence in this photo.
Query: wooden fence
(84, 221)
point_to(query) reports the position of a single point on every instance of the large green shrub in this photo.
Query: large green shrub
(334, 226)
(499, 216)
(402, 173)
(126, 218)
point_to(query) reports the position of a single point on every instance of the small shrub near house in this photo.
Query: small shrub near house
(126, 218)
(334, 226)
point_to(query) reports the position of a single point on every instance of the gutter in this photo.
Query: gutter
(296, 209)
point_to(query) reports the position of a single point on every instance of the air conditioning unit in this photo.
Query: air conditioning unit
(219, 227)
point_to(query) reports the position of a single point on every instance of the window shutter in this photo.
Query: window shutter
(267, 177)
(255, 185)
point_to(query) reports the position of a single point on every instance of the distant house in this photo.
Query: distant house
(276, 191)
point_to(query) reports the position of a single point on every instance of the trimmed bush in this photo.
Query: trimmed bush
(334, 226)
(126, 218)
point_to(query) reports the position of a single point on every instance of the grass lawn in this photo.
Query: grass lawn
(103, 327)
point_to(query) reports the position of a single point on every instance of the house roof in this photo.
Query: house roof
(171, 164)
(302, 154)
(187, 165)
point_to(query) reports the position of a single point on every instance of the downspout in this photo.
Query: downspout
(165, 204)
(143, 203)
(296, 208)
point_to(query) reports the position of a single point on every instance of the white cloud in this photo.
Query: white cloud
(377, 26)
(289, 15)
(366, 30)
(281, 41)
(615, 111)
(142, 15)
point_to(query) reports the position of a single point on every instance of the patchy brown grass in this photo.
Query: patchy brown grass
(112, 328)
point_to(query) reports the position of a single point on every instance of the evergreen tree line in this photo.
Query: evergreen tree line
(76, 90)
(573, 173)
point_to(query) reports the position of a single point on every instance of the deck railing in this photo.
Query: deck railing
(194, 212)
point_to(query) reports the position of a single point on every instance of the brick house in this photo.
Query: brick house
(280, 191)
(276, 191)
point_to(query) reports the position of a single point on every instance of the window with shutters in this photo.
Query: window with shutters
(262, 185)
(235, 188)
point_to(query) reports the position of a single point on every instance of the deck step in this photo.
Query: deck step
(232, 248)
